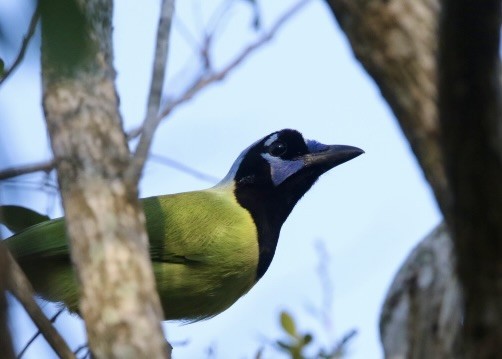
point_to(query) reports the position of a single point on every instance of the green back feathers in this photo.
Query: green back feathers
(43, 240)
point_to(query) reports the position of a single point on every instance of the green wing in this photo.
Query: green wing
(43, 240)
(17, 218)
(203, 247)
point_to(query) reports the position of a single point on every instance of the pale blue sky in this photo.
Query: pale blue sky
(369, 212)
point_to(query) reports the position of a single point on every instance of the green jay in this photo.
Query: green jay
(208, 247)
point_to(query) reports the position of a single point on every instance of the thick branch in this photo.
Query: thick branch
(471, 121)
(104, 218)
(396, 43)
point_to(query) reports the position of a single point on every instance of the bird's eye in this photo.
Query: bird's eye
(277, 148)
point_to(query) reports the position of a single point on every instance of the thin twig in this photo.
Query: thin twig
(152, 119)
(206, 79)
(23, 291)
(24, 45)
(46, 166)
(35, 336)
(82, 348)
(183, 168)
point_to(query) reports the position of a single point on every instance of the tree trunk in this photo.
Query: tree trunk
(471, 122)
(104, 219)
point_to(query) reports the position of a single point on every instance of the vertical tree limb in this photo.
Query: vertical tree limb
(471, 122)
(459, 148)
(105, 222)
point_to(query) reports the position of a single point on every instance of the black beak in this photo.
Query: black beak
(331, 156)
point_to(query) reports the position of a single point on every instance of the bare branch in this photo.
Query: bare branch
(152, 119)
(37, 334)
(183, 168)
(23, 291)
(46, 166)
(24, 45)
(208, 78)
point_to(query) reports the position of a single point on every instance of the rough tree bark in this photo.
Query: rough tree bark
(470, 108)
(397, 43)
(105, 223)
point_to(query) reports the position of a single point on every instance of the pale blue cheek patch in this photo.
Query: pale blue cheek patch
(315, 146)
(281, 169)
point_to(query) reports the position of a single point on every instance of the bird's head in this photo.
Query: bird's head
(272, 174)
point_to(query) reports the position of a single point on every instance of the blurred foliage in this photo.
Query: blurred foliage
(297, 343)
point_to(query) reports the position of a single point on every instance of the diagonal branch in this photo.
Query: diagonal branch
(208, 78)
(152, 119)
(23, 291)
(24, 45)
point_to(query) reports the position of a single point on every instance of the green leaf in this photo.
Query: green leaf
(307, 339)
(2, 67)
(288, 324)
(17, 218)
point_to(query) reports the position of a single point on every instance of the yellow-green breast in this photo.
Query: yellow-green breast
(204, 247)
